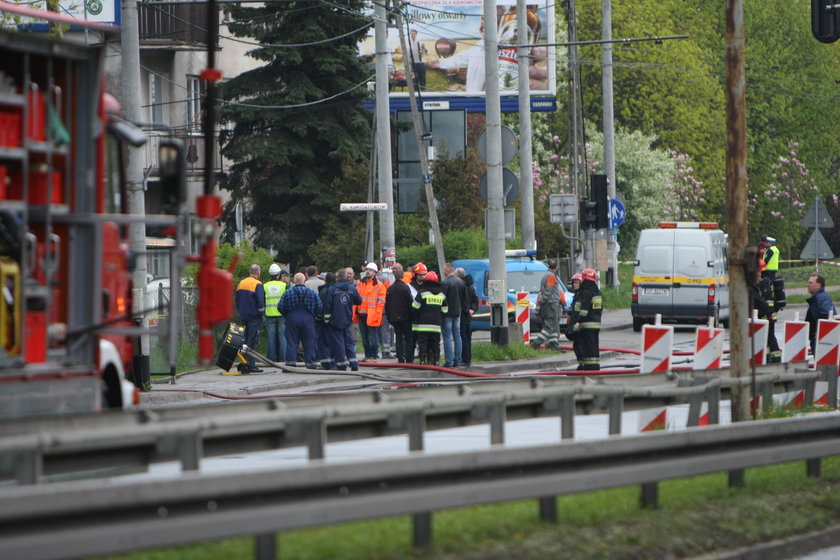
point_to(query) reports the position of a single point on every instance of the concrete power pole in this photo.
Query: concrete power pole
(577, 169)
(130, 43)
(736, 202)
(529, 240)
(609, 132)
(495, 194)
(421, 147)
(387, 239)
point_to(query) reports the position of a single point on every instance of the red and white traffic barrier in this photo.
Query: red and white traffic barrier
(657, 347)
(827, 351)
(759, 328)
(795, 346)
(523, 315)
(653, 419)
(708, 348)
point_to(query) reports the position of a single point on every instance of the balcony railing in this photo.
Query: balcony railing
(173, 23)
(194, 146)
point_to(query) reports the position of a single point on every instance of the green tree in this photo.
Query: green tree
(295, 119)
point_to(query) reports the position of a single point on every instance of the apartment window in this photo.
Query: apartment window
(155, 98)
(195, 94)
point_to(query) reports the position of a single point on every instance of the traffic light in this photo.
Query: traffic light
(587, 214)
(825, 20)
(601, 201)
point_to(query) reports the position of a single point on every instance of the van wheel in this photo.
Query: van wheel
(637, 324)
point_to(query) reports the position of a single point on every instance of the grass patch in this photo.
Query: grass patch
(489, 352)
(696, 516)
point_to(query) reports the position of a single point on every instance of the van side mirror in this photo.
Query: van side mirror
(636, 262)
(710, 264)
(173, 172)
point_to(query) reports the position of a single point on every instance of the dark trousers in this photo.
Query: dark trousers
(370, 338)
(403, 340)
(342, 347)
(590, 356)
(419, 74)
(300, 327)
(323, 353)
(466, 340)
(252, 339)
(428, 347)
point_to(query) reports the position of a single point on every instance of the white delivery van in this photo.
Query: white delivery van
(682, 273)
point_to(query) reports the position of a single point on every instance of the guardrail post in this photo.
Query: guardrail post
(616, 406)
(695, 403)
(415, 425)
(315, 434)
(713, 398)
(567, 417)
(830, 373)
(497, 414)
(191, 450)
(548, 509)
(766, 392)
(422, 536)
(736, 478)
(813, 468)
(650, 495)
(265, 547)
(29, 467)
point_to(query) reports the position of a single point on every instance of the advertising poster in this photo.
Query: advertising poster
(445, 44)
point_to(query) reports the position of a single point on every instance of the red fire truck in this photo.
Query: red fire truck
(67, 333)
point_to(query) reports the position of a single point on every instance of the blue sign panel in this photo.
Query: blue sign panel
(617, 213)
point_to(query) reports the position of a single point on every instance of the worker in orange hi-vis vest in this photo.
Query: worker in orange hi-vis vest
(369, 313)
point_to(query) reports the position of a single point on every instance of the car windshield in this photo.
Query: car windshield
(525, 280)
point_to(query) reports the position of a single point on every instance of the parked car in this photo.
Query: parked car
(524, 274)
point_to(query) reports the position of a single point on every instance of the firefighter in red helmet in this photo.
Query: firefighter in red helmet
(587, 311)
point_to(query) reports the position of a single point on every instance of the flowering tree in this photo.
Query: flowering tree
(688, 194)
(778, 208)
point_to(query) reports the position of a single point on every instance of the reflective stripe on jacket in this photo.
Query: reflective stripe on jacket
(273, 292)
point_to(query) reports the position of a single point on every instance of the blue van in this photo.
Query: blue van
(524, 274)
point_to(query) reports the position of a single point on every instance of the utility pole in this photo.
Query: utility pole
(736, 202)
(529, 240)
(130, 45)
(577, 168)
(495, 194)
(421, 147)
(609, 133)
(387, 241)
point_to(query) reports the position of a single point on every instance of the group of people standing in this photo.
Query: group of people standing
(325, 314)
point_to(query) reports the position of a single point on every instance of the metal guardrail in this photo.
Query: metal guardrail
(78, 519)
(35, 449)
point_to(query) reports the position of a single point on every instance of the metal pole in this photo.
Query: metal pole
(495, 195)
(736, 195)
(421, 147)
(130, 42)
(387, 239)
(609, 133)
(529, 240)
(575, 118)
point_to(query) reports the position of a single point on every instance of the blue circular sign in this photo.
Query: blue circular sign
(617, 213)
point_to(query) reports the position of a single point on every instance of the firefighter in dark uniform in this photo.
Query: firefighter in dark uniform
(574, 284)
(429, 306)
(587, 326)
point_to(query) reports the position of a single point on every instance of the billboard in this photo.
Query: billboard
(85, 11)
(445, 44)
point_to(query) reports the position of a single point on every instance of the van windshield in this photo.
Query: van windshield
(525, 280)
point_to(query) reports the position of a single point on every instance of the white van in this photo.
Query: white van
(682, 273)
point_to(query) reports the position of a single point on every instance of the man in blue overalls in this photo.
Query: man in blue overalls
(300, 305)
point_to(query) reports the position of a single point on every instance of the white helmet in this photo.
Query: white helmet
(274, 269)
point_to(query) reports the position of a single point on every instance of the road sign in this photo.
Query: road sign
(510, 186)
(362, 206)
(562, 208)
(617, 213)
(816, 248)
(510, 145)
(817, 216)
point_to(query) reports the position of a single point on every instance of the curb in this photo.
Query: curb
(782, 549)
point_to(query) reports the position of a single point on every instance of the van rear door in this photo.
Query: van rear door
(692, 274)
(654, 273)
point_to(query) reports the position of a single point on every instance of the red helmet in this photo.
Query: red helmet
(431, 276)
(589, 274)
(420, 268)
(577, 277)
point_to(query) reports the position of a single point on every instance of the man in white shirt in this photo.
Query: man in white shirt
(418, 55)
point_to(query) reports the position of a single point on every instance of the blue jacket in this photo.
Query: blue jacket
(339, 302)
(819, 306)
(250, 299)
